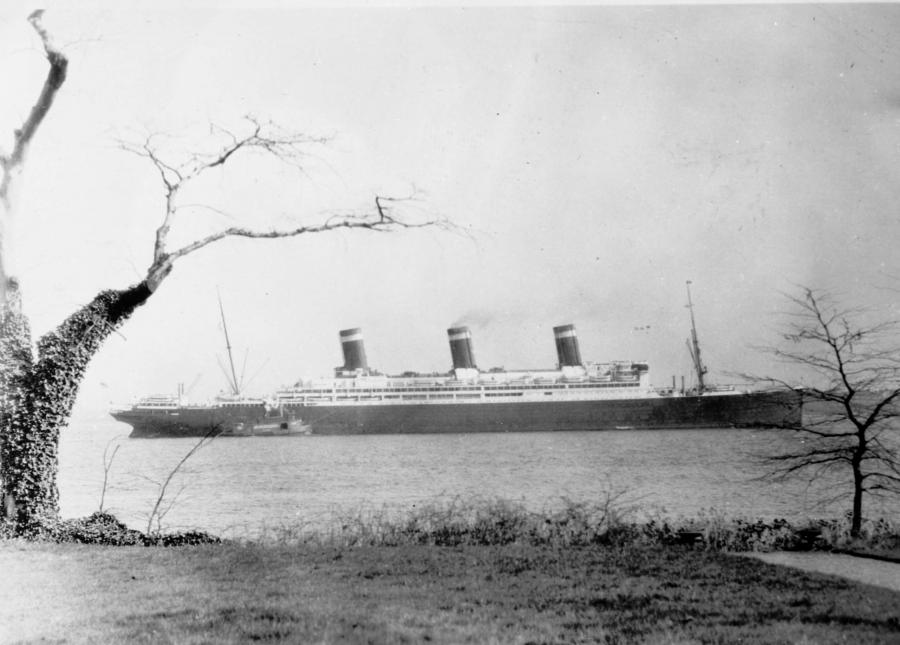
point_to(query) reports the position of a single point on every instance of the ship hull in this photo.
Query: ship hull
(753, 409)
(187, 421)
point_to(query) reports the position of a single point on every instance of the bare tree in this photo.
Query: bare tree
(39, 388)
(849, 421)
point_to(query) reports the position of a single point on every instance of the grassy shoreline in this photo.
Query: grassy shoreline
(453, 573)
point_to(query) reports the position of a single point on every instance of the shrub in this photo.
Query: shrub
(880, 534)
(501, 522)
(104, 528)
(186, 538)
(99, 528)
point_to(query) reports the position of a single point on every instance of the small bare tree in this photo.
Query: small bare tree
(165, 501)
(38, 389)
(849, 421)
(108, 458)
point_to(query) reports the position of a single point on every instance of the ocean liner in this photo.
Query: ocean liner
(576, 395)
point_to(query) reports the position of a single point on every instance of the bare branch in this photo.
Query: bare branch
(875, 415)
(269, 140)
(23, 136)
(170, 175)
(11, 164)
(380, 221)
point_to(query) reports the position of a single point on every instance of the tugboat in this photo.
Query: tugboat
(275, 423)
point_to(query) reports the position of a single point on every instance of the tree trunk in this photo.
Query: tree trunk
(38, 399)
(15, 364)
(856, 516)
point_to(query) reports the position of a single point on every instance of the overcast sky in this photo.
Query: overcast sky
(599, 157)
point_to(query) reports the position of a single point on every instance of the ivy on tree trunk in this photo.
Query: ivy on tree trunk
(38, 395)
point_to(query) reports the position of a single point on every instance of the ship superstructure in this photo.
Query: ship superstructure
(354, 382)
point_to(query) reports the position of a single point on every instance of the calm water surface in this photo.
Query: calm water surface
(236, 486)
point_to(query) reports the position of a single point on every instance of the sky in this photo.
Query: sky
(593, 158)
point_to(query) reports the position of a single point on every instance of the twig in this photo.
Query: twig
(107, 465)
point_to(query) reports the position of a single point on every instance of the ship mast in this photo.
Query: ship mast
(235, 388)
(694, 345)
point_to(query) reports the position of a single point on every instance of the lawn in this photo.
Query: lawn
(237, 593)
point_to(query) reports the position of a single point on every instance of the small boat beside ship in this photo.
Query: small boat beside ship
(269, 427)
(574, 396)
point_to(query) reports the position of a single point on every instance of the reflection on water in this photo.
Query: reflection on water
(237, 485)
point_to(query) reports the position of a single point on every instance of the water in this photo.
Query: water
(237, 486)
